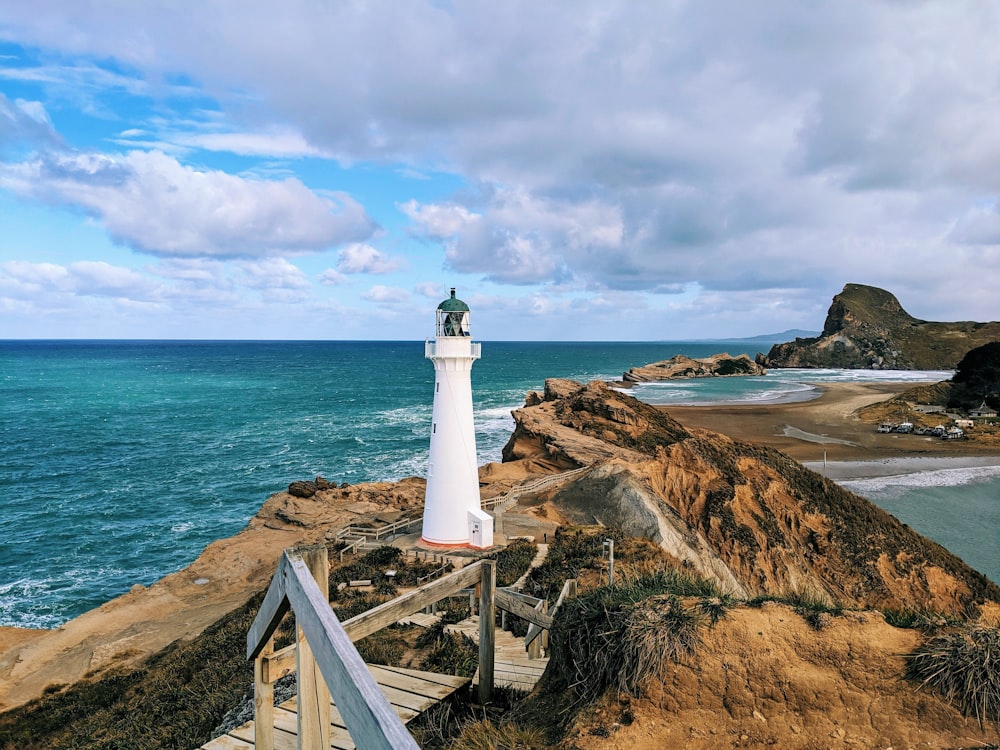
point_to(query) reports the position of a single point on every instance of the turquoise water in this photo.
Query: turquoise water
(957, 508)
(120, 461)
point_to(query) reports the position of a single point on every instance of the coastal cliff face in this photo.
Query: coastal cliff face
(745, 515)
(867, 328)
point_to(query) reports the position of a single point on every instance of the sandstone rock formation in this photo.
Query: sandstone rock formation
(718, 365)
(746, 515)
(867, 328)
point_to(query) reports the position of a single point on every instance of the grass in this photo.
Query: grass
(815, 607)
(617, 637)
(964, 665)
(173, 700)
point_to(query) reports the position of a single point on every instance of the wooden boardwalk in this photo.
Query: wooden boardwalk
(410, 692)
(511, 665)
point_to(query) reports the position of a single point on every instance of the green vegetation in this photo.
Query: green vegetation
(447, 653)
(617, 638)
(962, 664)
(977, 378)
(173, 700)
(917, 619)
(513, 560)
(815, 607)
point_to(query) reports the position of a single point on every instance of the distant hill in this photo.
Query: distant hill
(867, 328)
(775, 338)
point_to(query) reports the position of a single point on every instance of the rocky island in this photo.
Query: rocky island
(718, 365)
(867, 328)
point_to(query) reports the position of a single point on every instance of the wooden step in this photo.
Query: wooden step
(409, 691)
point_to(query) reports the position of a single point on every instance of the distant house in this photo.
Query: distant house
(982, 411)
(966, 423)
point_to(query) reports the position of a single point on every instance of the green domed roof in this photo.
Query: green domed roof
(453, 304)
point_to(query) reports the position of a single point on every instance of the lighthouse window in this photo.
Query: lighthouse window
(437, 387)
(434, 428)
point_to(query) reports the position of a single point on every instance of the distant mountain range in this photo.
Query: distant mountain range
(775, 338)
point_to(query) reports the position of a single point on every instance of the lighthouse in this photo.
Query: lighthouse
(453, 516)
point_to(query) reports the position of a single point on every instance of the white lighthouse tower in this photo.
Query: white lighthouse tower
(452, 513)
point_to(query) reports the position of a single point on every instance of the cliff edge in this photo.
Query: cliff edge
(745, 515)
(867, 328)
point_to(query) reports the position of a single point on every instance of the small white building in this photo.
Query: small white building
(983, 411)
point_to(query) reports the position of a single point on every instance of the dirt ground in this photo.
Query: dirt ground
(764, 678)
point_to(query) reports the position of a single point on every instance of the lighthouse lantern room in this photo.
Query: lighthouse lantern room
(453, 515)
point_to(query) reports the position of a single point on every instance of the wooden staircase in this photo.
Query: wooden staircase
(512, 667)
(409, 691)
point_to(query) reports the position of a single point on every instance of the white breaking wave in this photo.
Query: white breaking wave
(921, 479)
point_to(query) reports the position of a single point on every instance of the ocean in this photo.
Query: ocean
(121, 460)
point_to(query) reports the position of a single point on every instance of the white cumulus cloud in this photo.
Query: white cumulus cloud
(154, 204)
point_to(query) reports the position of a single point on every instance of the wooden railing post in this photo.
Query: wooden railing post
(263, 700)
(313, 692)
(487, 632)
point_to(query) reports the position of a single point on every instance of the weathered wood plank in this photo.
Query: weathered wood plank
(453, 681)
(226, 742)
(415, 685)
(487, 628)
(404, 713)
(282, 740)
(272, 609)
(363, 625)
(263, 700)
(506, 600)
(375, 619)
(339, 735)
(370, 718)
(313, 693)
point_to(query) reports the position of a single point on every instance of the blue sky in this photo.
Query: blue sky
(579, 170)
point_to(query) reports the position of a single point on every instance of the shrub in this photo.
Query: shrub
(609, 640)
(962, 665)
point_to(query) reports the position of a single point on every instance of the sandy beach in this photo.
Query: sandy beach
(825, 429)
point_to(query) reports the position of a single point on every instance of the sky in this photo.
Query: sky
(242, 169)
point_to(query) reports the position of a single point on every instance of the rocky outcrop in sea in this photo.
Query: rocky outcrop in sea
(718, 365)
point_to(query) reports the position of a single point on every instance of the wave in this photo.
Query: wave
(897, 483)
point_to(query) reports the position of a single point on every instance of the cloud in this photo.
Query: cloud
(386, 295)
(273, 273)
(84, 278)
(24, 124)
(154, 204)
(360, 258)
(601, 148)
(431, 290)
(331, 277)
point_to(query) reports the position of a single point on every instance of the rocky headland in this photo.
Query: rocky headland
(680, 366)
(867, 328)
(746, 515)
(743, 516)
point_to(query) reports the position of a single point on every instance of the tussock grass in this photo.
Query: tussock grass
(918, 619)
(964, 665)
(513, 560)
(815, 607)
(447, 653)
(618, 637)
(485, 735)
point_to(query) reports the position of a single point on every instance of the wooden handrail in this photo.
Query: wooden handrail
(327, 645)
(282, 662)
(368, 715)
